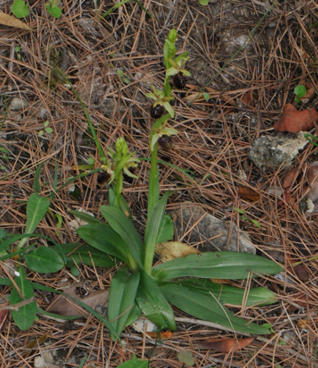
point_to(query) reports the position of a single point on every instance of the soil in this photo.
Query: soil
(249, 56)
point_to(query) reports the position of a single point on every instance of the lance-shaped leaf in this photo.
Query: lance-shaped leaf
(125, 228)
(122, 295)
(153, 303)
(227, 294)
(216, 265)
(37, 207)
(208, 308)
(153, 228)
(25, 315)
(102, 237)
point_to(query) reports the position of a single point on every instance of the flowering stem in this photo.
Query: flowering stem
(153, 189)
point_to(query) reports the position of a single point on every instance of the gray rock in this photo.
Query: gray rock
(196, 226)
(17, 104)
(277, 150)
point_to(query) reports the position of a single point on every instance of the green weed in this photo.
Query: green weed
(300, 92)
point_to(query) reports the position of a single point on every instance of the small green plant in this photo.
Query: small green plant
(46, 129)
(20, 9)
(123, 76)
(17, 50)
(204, 2)
(246, 218)
(53, 8)
(300, 92)
(138, 286)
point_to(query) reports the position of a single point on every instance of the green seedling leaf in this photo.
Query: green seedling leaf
(20, 9)
(300, 91)
(44, 260)
(204, 2)
(239, 210)
(206, 96)
(25, 315)
(53, 9)
(125, 228)
(122, 295)
(102, 237)
(153, 303)
(208, 308)
(216, 265)
(153, 228)
(227, 294)
(135, 363)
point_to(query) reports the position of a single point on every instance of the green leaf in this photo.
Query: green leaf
(215, 265)
(300, 91)
(227, 294)
(153, 303)
(44, 260)
(153, 228)
(125, 228)
(25, 315)
(135, 363)
(102, 237)
(54, 10)
(122, 295)
(206, 96)
(204, 2)
(208, 308)
(166, 231)
(76, 254)
(20, 9)
(37, 207)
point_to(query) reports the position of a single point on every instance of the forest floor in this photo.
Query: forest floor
(248, 55)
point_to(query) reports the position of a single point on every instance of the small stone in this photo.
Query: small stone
(274, 151)
(17, 104)
(209, 232)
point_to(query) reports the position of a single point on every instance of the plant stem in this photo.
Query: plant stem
(153, 189)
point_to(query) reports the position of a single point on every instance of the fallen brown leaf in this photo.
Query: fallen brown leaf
(247, 98)
(248, 193)
(290, 177)
(294, 121)
(226, 345)
(10, 21)
(66, 307)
